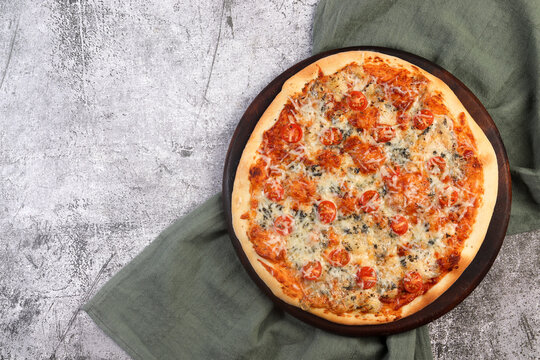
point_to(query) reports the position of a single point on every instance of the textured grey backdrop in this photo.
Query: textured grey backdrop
(115, 117)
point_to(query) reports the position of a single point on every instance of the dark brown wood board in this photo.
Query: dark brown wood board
(474, 273)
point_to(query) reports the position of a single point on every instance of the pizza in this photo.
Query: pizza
(365, 189)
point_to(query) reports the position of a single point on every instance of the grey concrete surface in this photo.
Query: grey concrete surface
(115, 117)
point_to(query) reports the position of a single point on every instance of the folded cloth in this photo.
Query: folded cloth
(491, 46)
(186, 296)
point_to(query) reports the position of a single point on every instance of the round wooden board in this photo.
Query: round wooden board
(475, 271)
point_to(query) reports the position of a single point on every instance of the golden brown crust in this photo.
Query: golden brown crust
(241, 190)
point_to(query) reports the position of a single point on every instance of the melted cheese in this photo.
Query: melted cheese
(369, 243)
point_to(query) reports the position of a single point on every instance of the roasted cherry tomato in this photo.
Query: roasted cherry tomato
(399, 224)
(283, 225)
(274, 191)
(331, 136)
(312, 270)
(327, 211)
(357, 101)
(339, 257)
(412, 282)
(292, 133)
(369, 201)
(423, 119)
(436, 165)
(366, 277)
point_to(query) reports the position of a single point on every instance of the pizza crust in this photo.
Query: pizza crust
(241, 190)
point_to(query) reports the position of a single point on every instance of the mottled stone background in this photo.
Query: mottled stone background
(115, 116)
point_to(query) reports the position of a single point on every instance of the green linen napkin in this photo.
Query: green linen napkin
(186, 296)
(491, 46)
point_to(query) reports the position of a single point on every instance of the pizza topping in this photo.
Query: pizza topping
(399, 224)
(274, 191)
(383, 134)
(403, 119)
(312, 270)
(435, 103)
(327, 211)
(365, 119)
(357, 101)
(348, 204)
(339, 257)
(449, 197)
(368, 158)
(467, 153)
(412, 282)
(391, 176)
(366, 277)
(399, 85)
(328, 160)
(267, 245)
(331, 136)
(449, 262)
(423, 119)
(369, 201)
(301, 189)
(401, 170)
(436, 165)
(292, 133)
(415, 190)
(257, 173)
(333, 239)
(284, 225)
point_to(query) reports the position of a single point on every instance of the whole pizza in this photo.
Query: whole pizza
(365, 189)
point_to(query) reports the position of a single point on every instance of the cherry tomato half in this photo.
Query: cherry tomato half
(369, 201)
(292, 133)
(423, 119)
(331, 136)
(327, 211)
(399, 224)
(436, 165)
(357, 101)
(312, 270)
(283, 225)
(412, 282)
(274, 191)
(366, 277)
(339, 257)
